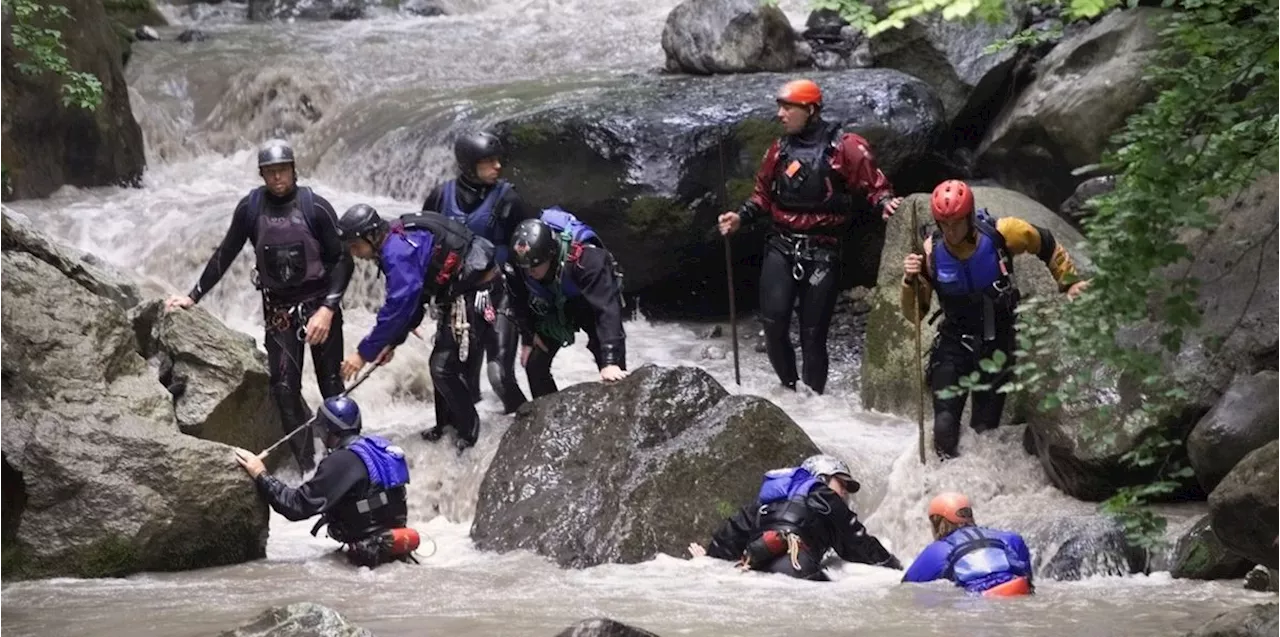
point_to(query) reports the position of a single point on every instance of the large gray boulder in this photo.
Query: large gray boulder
(1244, 419)
(1257, 620)
(1199, 554)
(1243, 509)
(728, 36)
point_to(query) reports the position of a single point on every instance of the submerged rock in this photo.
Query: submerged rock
(303, 619)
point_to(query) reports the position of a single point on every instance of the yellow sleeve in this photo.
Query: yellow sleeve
(909, 297)
(1021, 237)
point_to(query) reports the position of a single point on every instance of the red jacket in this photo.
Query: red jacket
(852, 161)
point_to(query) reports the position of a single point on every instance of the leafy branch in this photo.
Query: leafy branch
(33, 33)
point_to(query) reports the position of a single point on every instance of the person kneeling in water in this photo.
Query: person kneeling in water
(358, 488)
(986, 562)
(799, 514)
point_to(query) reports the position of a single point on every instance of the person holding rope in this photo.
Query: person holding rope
(812, 184)
(302, 271)
(359, 489)
(427, 258)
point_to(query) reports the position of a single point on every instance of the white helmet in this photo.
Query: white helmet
(826, 466)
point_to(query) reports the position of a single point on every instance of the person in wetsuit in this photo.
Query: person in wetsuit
(427, 259)
(569, 283)
(812, 184)
(302, 270)
(491, 208)
(359, 488)
(987, 562)
(970, 266)
(801, 512)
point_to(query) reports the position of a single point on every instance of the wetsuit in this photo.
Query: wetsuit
(811, 186)
(492, 212)
(819, 519)
(301, 265)
(583, 282)
(978, 300)
(428, 258)
(981, 560)
(358, 509)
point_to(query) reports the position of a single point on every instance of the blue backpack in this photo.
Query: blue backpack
(792, 483)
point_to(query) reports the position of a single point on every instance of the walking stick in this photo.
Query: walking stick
(728, 268)
(915, 286)
(361, 379)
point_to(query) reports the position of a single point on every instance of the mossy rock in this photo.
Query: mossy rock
(134, 13)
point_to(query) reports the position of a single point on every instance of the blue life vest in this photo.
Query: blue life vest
(979, 559)
(793, 483)
(977, 292)
(571, 230)
(561, 220)
(482, 220)
(385, 461)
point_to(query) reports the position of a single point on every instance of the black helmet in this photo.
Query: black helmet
(339, 416)
(471, 148)
(276, 151)
(534, 243)
(361, 221)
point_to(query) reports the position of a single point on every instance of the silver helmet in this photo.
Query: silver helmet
(276, 151)
(826, 466)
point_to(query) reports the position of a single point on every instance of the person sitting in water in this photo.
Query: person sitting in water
(358, 488)
(986, 562)
(799, 514)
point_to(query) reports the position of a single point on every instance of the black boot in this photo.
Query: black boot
(463, 444)
(433, 434)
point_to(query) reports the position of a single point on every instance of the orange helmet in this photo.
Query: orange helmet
(951, 506)
(800, 93)
(952, 200)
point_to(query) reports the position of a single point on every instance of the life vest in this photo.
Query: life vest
(547, 300)
(452, 239)
(804, 180)
(783, 516)
(483, 220)
(382, 506)
(977, 292)
(785, 484)
(978, 558)
(288, 253)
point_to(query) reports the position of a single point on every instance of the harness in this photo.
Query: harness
(975, 554)
(801, 248)
(803, 179)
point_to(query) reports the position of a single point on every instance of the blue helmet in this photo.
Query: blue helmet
(339, 416)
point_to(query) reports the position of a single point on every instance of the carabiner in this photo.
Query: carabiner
(797, 271)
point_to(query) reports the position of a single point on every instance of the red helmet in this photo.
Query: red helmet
(800, 93)
(951, 506)
(952, 200)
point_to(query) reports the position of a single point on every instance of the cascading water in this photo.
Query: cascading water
(368, 105)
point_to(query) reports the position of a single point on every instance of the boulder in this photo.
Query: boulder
(1262, 579)
(47, 144)
(302, 619)
(1243, 420)
(603, 627)
(600, 474)
(1066, 117)
(1078, 206)
(1243, 509)
(218, 377)
(286, 10)
(834, 44)
(98, 481)
(18, 234)
(1086, 546)
(1257, 620)
(1200, 555)
(728, 36)
(951, 56)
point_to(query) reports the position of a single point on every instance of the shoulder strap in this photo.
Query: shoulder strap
(307, 202)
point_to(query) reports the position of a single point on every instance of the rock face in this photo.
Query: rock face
(1243, 509)
(618, 474)
(950, 56)
(46, 144)
(1243, 420)
(835, 44)
(98, 481)
(303, 619)
(644, 163)
(603, 628)
(728, 36)
(1064, 119)
(1077, 207)
(1258, 620)
(1200, 555)
(218, 377)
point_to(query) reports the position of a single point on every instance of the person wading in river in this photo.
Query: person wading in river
(302, 270)
(812, 183)
(986, 562)
(970, 265)
(491, 208)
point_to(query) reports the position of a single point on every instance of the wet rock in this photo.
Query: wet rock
(1065, 118)
(271, 10)
(834, 44)
(99, 482)
(1258, 620)
(728, 36)
(347, 12)
(712, 352)
(147, 34)
(1243, 420)
(1262, 579)
(192, 35)
(1243, 509)
(1200, 555)
(226, 396)
(422, 8)
(19, 235)
(46, 144)
(1086, 546)
(303, 619)
(1077, 207)
(644, 163)
(617, 474)
(715, 331)
(603, 628)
